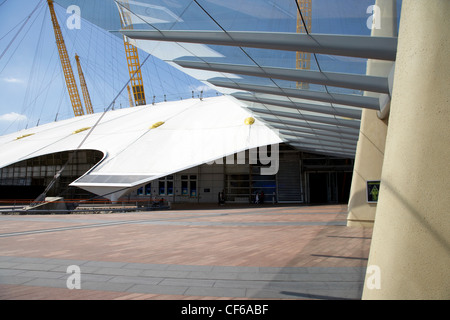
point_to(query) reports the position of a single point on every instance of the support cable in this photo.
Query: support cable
(248, 55)
(314, 54)
(42, 196)
(139, 17)
(21, 27)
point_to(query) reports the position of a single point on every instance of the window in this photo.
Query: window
(169, 187)
(165, 186)
(184, 188)
(189, 185)
(193, 187)
(148, 189)
(162, 187)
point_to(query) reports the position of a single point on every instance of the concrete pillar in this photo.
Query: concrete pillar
(370, 149)
(410, 251)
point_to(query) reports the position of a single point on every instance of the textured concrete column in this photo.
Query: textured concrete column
(372, 136)
(410, 251)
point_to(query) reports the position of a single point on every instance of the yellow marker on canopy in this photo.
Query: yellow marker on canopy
(81, 130)
(249, 121)
(157, 124)
(24, 136)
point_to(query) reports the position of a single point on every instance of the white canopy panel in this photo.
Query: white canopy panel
(144, 143)
(269, 55)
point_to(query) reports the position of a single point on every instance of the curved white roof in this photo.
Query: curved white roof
(306, 77)
(137, 150)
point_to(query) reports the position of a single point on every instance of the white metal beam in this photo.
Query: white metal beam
(382, 48)
(344, 80)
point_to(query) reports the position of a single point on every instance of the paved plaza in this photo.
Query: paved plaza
(257, 252)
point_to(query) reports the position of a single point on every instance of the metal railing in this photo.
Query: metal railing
(73, 206)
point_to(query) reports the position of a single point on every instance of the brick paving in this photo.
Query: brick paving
(258, 252)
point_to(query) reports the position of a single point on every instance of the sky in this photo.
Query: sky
(32, 85)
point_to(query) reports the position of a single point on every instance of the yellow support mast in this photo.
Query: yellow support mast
(67, 67)
(303, 59)
(84, 89)
(132, 59)
(130, 98)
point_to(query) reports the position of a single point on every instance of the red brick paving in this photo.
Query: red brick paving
(240, 245)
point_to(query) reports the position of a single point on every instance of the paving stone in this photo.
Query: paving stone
(275, 294)
(216, 292)
(83, 269)
(6, 258)
(43, 274)
(164, 273)
(190, 268)
(105, 286)
(147, 266)
(290, 252)
(136, 280)
(213, 275)
(24, 260)
(35, 266)
(94, 277)
(105, 264)
(235, 269)
(241, 284)
(119, 271)
(6, 264)
(155, 289)
(14, 279)
(187, 282)
(42, 282)
(283, 270)
(10, 272)
(65, 262)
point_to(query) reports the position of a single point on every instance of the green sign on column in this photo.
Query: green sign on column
(373, 191)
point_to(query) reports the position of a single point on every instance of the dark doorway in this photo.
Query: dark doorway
(27, 179)
(344, 184)
(318, 191)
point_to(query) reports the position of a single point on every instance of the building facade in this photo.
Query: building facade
(301, 178)
(27, 179)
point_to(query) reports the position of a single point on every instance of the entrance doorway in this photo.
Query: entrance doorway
(329, 187)
(318, 187)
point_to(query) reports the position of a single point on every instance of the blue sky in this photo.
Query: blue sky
(32, 87)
